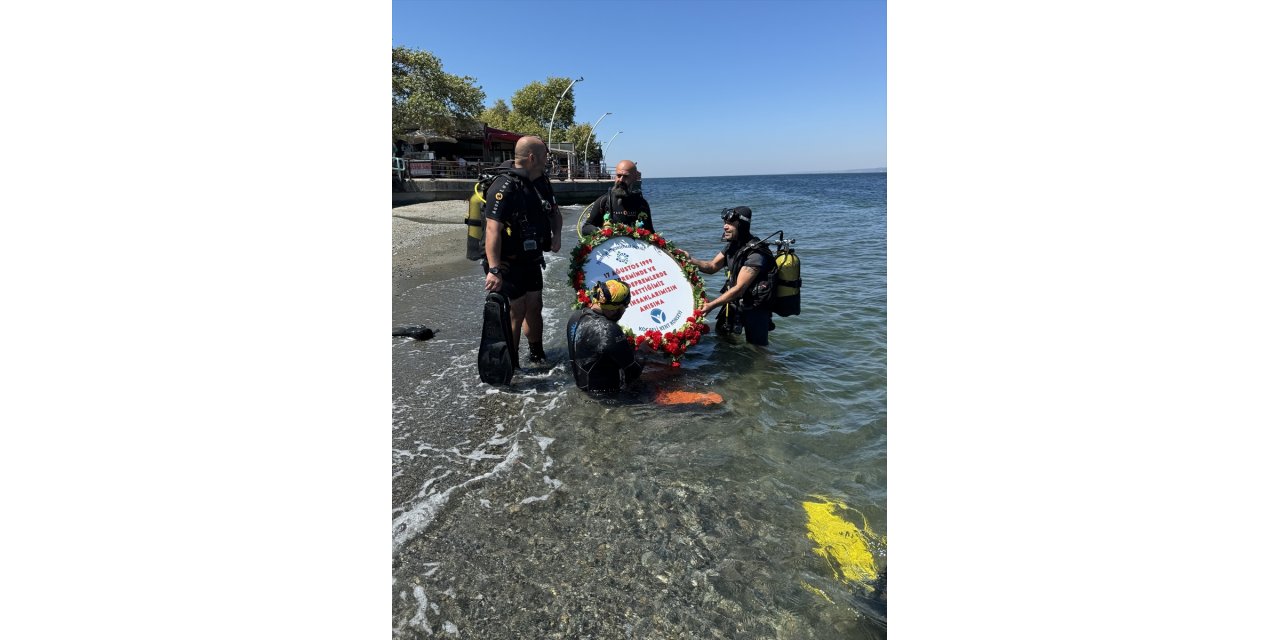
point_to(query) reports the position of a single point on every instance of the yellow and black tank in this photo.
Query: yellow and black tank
(786, 297)
(475, 224)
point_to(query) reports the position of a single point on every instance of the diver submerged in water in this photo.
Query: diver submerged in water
(602, 357)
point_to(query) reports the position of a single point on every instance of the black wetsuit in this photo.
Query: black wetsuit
(525, 207)
(627, 208)
(602, 357)
(748, 312)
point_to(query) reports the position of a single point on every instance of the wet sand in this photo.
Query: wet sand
(428, 243)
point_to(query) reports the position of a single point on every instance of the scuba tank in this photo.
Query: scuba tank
(476, 221)
(786, 294)
(475, 224)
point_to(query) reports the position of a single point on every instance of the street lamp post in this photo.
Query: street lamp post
(592, 135)
(604, 154)
(553, 111)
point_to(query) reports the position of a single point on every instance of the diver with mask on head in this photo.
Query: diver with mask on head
(745, 294)
(622, 204)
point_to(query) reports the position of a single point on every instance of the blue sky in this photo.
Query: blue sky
(697, 88)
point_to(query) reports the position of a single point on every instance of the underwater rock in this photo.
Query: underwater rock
(415, 331)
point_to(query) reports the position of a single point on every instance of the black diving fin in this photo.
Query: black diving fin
(497, 359)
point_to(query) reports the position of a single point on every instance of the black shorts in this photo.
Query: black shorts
(755, 323)
(521, 278)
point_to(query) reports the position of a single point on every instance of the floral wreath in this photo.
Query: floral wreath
(672, 343)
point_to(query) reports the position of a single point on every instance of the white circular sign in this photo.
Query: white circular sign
(661, 294)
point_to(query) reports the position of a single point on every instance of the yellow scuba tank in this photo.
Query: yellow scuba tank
(475, 224)
(786, 296)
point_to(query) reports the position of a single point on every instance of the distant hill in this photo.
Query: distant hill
(875, 170)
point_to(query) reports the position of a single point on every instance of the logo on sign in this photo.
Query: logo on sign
(661, 293)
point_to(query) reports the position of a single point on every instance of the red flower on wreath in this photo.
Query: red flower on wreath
(673, 343)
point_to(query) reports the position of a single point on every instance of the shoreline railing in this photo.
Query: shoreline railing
(471, 169)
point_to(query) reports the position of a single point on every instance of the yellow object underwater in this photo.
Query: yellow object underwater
(846, 548)
(818, 592)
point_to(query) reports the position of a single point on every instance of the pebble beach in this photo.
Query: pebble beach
(428, 241)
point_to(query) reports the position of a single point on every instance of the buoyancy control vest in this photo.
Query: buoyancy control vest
(601, 356)
(528, 231)
(616, 209)
(778, 288)
(760, 292)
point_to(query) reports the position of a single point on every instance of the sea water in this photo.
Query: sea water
(539, 511)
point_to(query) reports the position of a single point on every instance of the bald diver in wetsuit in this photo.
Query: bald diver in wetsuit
(623, 203)
(602, 357)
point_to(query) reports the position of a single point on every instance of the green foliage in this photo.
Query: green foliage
(584, 142)
(497, 115)
(536, 101)
(523, 124)
(424, 96)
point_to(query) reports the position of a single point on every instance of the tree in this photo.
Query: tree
(523, 124)
(423, 96)
(500, 116)
(497, 115)
(584, 142)
(591, 149)
(534, 103)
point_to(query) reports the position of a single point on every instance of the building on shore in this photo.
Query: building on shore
(427, 154)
